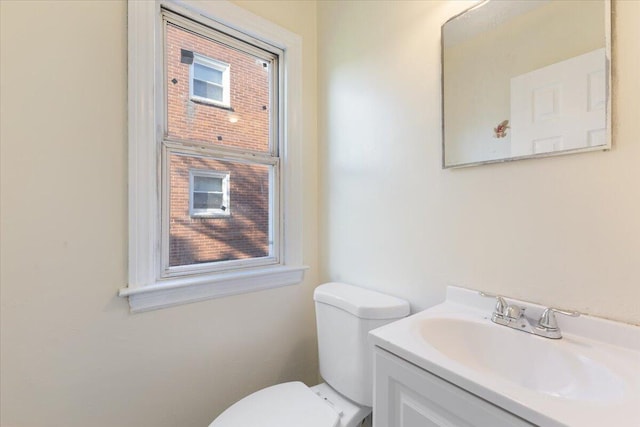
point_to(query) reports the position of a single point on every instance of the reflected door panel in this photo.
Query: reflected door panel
(560, 107)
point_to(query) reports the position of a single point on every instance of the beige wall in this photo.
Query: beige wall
(72, 355)
(561, 231)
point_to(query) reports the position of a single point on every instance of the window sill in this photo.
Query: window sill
(167, 293)
(211, 103)
(210, 215)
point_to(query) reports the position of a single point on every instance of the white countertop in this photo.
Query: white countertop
(607, 393)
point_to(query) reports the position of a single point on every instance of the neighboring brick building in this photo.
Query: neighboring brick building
(241, 230)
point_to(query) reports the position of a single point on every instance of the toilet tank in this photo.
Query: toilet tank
(345, 314)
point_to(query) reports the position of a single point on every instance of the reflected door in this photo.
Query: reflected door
(560, 107)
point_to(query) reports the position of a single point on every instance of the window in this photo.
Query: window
(188, 160)
(209, 81)
(243, 143)
(209, 193)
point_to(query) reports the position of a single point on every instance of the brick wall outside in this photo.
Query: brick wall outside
(201, 122)
(243, 234)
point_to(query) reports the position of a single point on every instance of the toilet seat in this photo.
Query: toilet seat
(290, 404)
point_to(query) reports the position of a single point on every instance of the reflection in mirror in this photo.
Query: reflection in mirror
(525, 78)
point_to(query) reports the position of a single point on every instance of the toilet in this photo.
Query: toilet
(344, 315)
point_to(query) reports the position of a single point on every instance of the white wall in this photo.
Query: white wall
(561, 231)
(72, 355)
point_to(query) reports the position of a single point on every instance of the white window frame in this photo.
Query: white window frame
(226, 199)
(147, 288)
(224, 68)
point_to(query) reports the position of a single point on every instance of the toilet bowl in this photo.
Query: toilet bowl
(344, 315)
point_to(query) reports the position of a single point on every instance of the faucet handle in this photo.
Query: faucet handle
(514, 312)
(501, 304)
(548, 318)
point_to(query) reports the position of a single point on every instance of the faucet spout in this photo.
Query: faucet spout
(514, 318)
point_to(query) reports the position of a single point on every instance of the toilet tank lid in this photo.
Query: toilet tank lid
(360, 302)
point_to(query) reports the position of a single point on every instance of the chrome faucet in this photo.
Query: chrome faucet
(512, 315)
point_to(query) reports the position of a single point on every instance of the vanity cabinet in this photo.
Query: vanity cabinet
(408, 396)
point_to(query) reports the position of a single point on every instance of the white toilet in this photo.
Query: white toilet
(344, 314)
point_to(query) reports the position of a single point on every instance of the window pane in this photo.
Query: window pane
(207, 200)
(207, 90)
(244, 234)
(247, 126)
(202, 72)
(207, 183)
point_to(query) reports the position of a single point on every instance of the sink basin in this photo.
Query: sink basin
(532, 362)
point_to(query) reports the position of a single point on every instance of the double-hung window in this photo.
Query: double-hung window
(209, 193)
(225, 129)
(209, 81)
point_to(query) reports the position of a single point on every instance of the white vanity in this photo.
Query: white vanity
(452, 366)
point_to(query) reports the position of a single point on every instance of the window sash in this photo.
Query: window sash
(270, 53)
(207, 202)
(216, 180)
(220, 73)
(218, 96)
(275, 219)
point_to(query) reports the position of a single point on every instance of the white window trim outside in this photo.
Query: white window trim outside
(226, 81)
(147, 290)
(209, 213)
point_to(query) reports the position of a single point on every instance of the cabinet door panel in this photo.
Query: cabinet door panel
(409, 409)
(407, 396)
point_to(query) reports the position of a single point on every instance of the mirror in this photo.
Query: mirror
(526, 78)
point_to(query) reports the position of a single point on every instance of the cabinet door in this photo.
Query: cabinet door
(407, 396)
